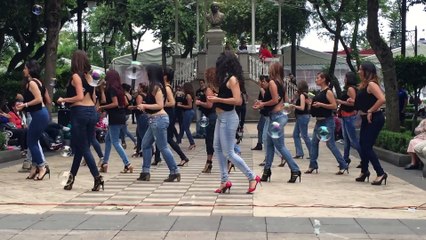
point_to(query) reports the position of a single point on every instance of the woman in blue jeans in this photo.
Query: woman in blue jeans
(368, 101)
(301, 110)
(322, 107)
(348, 115)
(81, 98)
(115, 103)
(275, 120)
(35, 95)
(188, 114)
(229, 77)
(158, 123)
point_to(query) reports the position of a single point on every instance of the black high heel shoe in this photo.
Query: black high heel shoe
(298, 156)
(283, 162)
(70, 182)
(47, 171)
(363, 176)
(144, 176)
(294, 176)
(266, 176)
(172, 177)
(310, 170)
(33, 172)
(208, 167)
(379, 182)
(99, 181)
(342, 171)
(156, 162)
(230, 166)
(183, 162)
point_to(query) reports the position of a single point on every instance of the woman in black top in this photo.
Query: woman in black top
(206, 107)
(229, 76)
(34, 96)
(301, 110)
(81, 97)
(322, 106)
(368, 101)
(188, 113)
(348, 115)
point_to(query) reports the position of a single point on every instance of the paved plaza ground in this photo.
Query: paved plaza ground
(130, 209)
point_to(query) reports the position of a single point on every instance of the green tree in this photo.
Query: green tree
(410, 71)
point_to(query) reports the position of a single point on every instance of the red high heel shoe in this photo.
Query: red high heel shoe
(251, 190)
(227, 186)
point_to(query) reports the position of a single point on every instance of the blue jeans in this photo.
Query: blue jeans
(113, 137)
(125, 132)
(157, 131)
(83, 122)
(224, 140)
(331, 144)
(349, 136)
(277, 143)
(367, 138)
(39, 122)
(97, 147)
(141, 128)
(301, 128)
(260, 126)
(188, 115)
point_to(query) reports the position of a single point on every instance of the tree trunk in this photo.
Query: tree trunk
(293, 53)
(385, 56)
(52, 40)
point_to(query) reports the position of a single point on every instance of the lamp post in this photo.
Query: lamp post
(279, 4)
(107, 39)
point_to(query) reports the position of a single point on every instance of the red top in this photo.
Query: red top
(15, 119)
(265, 53)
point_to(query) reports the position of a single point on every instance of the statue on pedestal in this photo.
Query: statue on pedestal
(215, 18)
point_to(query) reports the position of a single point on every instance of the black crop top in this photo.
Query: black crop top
(203, 98)
(304, 111)
(268, 96)
(150, 99)
(345, 97)
(320, 111)
(225, 92)
(364, 100)
(71, 92)
(28, 96)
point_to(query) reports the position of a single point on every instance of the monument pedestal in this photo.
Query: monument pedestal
(215, 39)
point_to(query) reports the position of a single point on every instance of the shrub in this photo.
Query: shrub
(408, 123)
(2, 141)
(394, 141)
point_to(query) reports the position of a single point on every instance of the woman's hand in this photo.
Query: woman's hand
(197, 102)
(258, 105)
(60, 100)
(317, 104)
(369, 116)
(213, 99)
(350, 100)
(141, 107)
(20, 106)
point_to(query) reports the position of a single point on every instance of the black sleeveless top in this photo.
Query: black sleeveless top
(364, 100)
(150, 99)
(345, 97)
(28, 96)
(305, 110)
(319, 111)
(268, 96)
(225, 92)
(203, 98)
(87, 89)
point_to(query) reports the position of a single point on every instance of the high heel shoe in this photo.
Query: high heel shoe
(208, 167)
(251, 190)
(298, 156)
(379, 182)
(342, 171)
(70, 182)
(192, 146)
(310, 170)
(183, 162)
(262, 163)
(103, 168)
(294, 176)
(230, 166)
(172, 177)
(127, 169)
(227, 186)
(156, 162)
(33, 172)
(266, 176)
(47, 171)
(283, 162)
(363, 176)
(144, 176)
(99, 181)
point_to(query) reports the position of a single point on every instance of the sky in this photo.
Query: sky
(415, 16)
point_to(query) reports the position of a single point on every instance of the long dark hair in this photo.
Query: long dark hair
(169, 73)
(188, 89)
(227, 65)
(327, 78)
(351, 80)
(155, 78)
(113, 82)
(80, 62)
(370, 74)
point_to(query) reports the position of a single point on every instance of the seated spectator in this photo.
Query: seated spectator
(13, 123)
(420, 132)
(264, 52)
